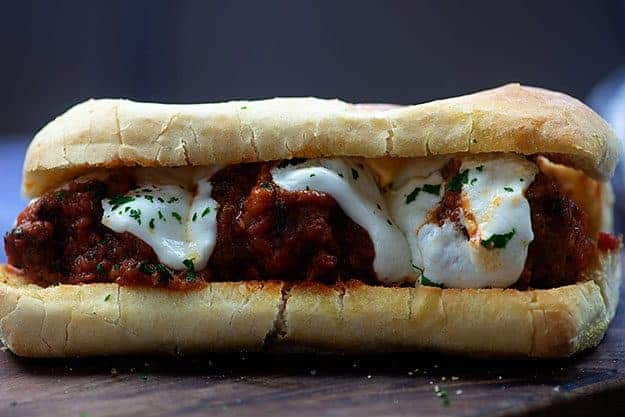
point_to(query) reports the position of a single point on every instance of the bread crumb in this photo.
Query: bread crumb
(458, 392)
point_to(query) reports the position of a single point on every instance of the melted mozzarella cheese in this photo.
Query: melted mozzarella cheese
(497, 218)
(177, 223)
(412, 198)
(353, 187)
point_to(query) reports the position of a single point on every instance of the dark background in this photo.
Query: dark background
(57, 53)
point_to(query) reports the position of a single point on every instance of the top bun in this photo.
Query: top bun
(112, 133)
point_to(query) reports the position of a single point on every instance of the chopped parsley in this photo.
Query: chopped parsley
(312, 175)
(390, 223)
(176, 216)
(480, 168)
(57, 267)
(432, 188)
(266, 185)
(473, 181)
(160, 216)
(151, 223)
(126, 209)
(206, 211)
(498, 240)
(160, 199)
(149, 269)
(120, 200)
(412, 195)
(100, 268)
(149, 198)
(172, 200)
(108, 297)
(508, 189)
(243, 107)
(307, 188)
(59, 196)
(521, 179)
(194, 218)
(378, 206)
(294, 161)
(136, 214)
(146, 190)
(340, 175)
(442, 394)
(190, 269)
(429, 283)
(424, 280)
(457, 181)
(355, 174)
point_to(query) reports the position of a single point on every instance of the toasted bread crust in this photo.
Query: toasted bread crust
(106, 319)
(512, 118)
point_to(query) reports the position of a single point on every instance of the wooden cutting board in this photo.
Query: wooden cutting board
(303, 385)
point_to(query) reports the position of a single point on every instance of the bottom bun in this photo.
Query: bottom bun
(107, 319)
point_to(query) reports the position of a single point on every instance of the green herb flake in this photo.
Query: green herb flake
(355, 174)
(160, 199)
(480, 168)
(473, 181)
(120, 200)
(293, 161)
(126, 209)
(340, 175)
(312, 175)
(147, 268)
(432, 188)
(176, 216)
(59, 196)
(57, 267)
(508, 189)
(108, 297)
(206, 211)
(413, 195)
(498, 240)
(188, 263)
(160, 216)
(136, 214)
(173, 200)
(457, 181)
(194, 218)
(149, 198)
(163, 271)
(442, 394)
(266, 185)
(426, 281)
(151, 224)
(100, 268)
(390, 223)
(243, 107)
(378, 206)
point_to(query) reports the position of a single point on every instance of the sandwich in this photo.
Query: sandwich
(478, 225)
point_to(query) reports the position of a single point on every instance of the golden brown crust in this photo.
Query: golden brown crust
(80, 320)
(512, 118)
